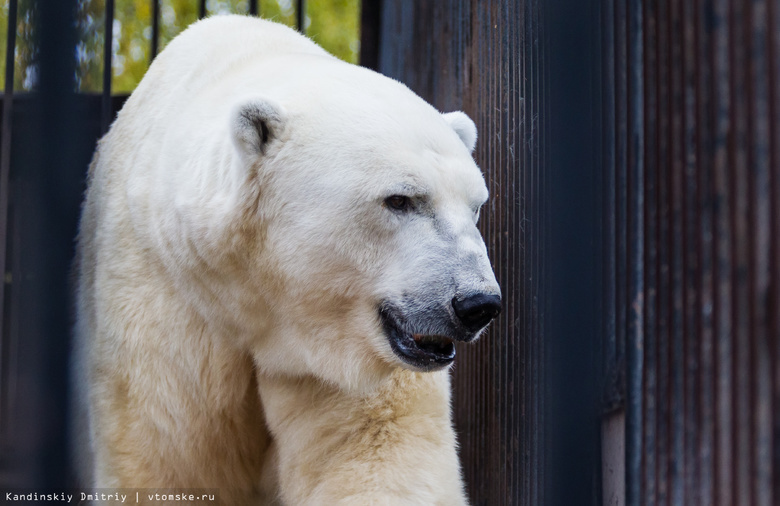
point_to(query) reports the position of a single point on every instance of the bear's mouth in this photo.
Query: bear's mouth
(427, 352)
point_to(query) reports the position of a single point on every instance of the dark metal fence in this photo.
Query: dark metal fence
(525, 394)
(485, 58)
(633, 153)
(692, 94)
(43, 183)
(48, 137)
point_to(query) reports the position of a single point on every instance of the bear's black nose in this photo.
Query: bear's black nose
(476, 309)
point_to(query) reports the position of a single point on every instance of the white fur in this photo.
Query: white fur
(464, 127)
(234, 249)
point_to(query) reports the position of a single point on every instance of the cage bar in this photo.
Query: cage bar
(155, 42)
(5, 171)
(108, 41)
(300, 15)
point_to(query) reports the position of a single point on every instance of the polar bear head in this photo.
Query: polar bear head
(369, 256)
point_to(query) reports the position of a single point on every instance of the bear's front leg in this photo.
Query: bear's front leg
(394, 446)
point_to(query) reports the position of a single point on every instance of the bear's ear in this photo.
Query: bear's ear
(464, 127)
(255, 123)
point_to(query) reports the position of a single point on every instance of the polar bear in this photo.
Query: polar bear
(277, 251)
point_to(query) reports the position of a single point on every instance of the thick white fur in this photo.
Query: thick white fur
(234, 248)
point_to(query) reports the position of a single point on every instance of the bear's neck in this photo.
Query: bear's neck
(371, 445)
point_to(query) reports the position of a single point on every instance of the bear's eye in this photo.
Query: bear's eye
(399, 202)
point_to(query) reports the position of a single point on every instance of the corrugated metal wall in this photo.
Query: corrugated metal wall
(475, 56)
(523, 392)
(682, 108)
(692, 98)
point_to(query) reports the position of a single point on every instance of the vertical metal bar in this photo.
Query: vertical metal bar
(5, 176)
(757, 44)
(155, 29)
(572, 334)
(723, 238)
(524, 475)
(49, 227)
(370, 30)
(691, 293)
(635, 335)
(253, 11)
(663, 253)
(613, 363)
(676, 378)
(107, 113)
(652, 398)
(300, 15)
(612, 394)
(201, 9)
(620, 86)
(539, 106)
(773, 57)
(705, 158)
(739, 170)
(13, 316)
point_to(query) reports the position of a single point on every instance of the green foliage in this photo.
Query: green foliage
(25, 68)
(334, 24)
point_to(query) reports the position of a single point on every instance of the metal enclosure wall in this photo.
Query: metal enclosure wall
(692, 132)
(47, 157)
(48, 138)
(525, 394)
(680, 197)
(476, 56)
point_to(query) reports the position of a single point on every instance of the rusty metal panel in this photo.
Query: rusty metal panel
(477, 56)
(707, 375)
(522, 393)
(687, 108)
